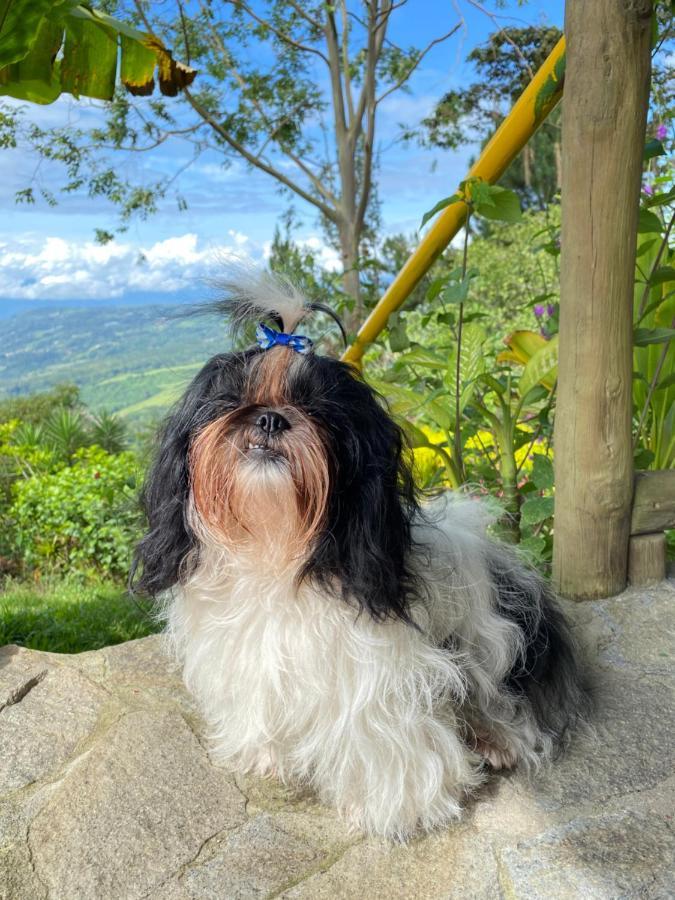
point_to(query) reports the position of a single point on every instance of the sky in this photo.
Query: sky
(49, 253)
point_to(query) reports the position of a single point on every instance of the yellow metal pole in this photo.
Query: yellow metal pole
(529, 111)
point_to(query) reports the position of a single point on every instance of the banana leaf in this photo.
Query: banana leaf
(50, 48)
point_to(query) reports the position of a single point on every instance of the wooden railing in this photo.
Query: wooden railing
(653, 513)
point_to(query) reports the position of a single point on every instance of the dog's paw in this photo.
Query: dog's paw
(498, 757)
(266, 764)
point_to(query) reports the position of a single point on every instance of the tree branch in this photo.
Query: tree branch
(419, 59)
(315, 23)
(287, 39)
(330, 213)
(330, 31)
(272, 127)
(345, 60)
(502, 30)
(376, 35)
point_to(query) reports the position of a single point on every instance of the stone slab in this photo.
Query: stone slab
(107, 792)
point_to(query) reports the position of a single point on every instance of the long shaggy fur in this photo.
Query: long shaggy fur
(333, 631)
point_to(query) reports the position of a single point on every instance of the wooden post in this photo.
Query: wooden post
(605, 108)
(647, 559)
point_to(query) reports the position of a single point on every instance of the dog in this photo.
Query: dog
(334, 630)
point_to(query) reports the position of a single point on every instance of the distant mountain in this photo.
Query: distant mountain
(10, 307)
(133, 360)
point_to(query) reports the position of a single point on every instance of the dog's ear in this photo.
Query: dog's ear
(367, 540)
(162, 555)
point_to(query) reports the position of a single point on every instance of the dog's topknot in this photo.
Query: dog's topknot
(247, 294)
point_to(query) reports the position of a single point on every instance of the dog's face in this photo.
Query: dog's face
(291, 455)
(261, 471)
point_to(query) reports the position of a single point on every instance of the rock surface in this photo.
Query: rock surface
(107, 792)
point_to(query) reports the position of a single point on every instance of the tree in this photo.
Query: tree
(292, 88)
(504, 65)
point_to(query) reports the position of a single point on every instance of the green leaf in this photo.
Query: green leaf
(491, 382)
(405, 402)
(532, 547)
(645, 245)
(454, 198)
(666, 382)
(653, 148)
(20, 27)
(542, 472)
(542, 368)
(649, 223)
(420, 356)
(660, 199)
(137, 67)
(89, 64)
(36, 76)
(416, 437)
(503, 205)
(662, 275)
(471, 366)
(642, 458)
(457, 292)
(642, 337)
(481, 192)
(536, 509)
(398, 336)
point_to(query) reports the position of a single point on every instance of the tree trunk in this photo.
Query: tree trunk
(349, 253)
(606, 95)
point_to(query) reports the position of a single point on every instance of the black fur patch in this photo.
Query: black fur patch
(548, 673)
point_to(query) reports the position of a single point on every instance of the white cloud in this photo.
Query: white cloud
(58, 269)
(55, 268)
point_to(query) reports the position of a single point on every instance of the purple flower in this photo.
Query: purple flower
(539, 310)
(647, 189)
(662, 132)
(550, 309)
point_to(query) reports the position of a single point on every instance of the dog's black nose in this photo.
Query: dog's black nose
(272, 422)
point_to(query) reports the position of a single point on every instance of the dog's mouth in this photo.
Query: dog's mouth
(263, 450)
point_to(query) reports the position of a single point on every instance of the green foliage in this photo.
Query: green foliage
(108, 432)
(80, 517)
(470, 419)
(654, 317)
(35, 408)
(64, 432)
(71, 615)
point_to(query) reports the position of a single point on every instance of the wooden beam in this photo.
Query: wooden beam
(606, 94)
(647, 559)
(653, 502)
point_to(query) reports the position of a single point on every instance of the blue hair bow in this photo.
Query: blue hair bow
(266, 338)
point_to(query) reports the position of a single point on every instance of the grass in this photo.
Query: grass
(69, 616)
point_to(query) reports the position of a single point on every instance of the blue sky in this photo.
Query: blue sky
(49, 254)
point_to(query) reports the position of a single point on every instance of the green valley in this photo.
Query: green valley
(133, 360)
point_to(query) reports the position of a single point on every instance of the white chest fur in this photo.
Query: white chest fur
(301, 685)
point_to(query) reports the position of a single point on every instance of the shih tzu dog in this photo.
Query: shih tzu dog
(334, 631)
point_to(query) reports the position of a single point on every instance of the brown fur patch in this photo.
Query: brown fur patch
(268, 379)
(242, 498)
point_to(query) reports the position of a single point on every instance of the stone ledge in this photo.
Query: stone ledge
(107, 791)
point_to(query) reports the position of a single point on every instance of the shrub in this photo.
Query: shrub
(82, 517)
